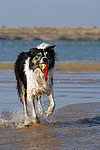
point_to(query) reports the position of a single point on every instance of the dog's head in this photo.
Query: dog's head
(44, 53)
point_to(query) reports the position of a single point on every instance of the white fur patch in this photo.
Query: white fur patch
(43, 46)
(36, 84)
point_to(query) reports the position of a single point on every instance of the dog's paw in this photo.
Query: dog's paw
(49, 112)
(37, 120)
(27, 124)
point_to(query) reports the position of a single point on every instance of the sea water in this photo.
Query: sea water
(67, 51)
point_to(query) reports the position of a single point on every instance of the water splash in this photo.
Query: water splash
(11, 119)
(16, 119)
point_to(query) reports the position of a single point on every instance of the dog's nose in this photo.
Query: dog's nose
(45, 60)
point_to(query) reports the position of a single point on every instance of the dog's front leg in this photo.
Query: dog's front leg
(52, 105)
(32, 105)
(40, 108)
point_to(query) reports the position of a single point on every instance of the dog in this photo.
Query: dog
(34, 75)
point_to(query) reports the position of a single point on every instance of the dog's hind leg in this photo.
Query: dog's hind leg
(23, 98)
(25, 112)
(40, 108)
(52, 105)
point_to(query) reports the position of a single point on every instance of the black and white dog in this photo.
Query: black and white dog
(34, 75)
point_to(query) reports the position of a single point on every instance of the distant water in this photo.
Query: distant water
(67, 51)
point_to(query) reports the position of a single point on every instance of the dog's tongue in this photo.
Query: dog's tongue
(44, 67)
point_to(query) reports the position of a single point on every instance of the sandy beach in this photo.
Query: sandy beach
(81, 66)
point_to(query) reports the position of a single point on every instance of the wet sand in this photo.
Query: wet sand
(74, 125)
(81, 66)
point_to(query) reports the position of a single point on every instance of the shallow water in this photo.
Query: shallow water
(75, 123)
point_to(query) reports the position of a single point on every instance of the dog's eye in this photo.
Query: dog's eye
(39, 55)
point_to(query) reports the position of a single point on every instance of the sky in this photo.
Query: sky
(50, 13)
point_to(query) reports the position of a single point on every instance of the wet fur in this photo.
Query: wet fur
(30, 79)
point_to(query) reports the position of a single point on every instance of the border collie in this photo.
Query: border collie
(34, 75)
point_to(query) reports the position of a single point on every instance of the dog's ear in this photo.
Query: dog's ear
(52, 46)
(32, 51)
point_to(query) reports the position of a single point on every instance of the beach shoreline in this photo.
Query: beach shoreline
(64, 66)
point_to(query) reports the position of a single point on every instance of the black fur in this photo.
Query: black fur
(19, 72)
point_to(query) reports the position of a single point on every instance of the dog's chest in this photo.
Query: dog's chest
(36, 83)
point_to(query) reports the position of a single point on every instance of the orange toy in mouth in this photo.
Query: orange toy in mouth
(44, 67)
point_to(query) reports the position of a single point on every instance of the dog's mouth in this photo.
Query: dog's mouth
(44, 68)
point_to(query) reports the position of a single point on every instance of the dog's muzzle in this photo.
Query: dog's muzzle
(44, 60)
